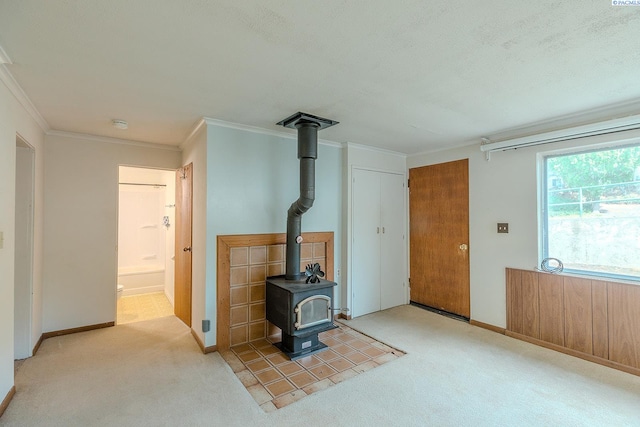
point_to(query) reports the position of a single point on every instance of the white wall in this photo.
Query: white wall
(23, 252)
(252, 180)
(80, 228)
(15, 120)
(362, 157)
(195, 151)
(504, 189)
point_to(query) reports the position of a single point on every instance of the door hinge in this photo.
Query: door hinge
(408, 182)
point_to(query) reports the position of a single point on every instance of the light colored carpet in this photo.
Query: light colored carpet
(152, 374)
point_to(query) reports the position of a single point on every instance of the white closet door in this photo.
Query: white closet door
(365, 270)
(393, 288)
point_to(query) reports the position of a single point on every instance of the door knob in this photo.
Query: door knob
(464, 247)
(187, 249)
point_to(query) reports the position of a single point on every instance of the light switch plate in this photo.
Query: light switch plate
(503, 227)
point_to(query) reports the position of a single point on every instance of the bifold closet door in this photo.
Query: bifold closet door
(393, 246)
(365, 270)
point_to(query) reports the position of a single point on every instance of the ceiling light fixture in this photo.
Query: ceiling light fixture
(120, 124)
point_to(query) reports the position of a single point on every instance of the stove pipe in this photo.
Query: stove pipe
(307, 126)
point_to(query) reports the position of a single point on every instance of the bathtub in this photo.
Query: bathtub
(141, 279)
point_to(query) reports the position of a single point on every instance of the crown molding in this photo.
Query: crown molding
(10, 82)
(460, 145)
(375, 149)
(587, 117)
(194, 131)
(4, 58)
(110, 140)
(264, 131)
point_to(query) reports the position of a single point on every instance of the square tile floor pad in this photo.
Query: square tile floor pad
(274, 381)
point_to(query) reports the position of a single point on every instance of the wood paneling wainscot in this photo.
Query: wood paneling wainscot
(514, 301)
(578, 314)
(600, 312)
(624, 324)
(592, 319)
(530, 304)
(551, 309)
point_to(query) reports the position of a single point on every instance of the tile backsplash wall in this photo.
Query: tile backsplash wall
(250, 266)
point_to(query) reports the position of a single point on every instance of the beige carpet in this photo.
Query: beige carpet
(152, 374)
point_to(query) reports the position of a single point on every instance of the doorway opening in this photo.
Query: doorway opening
(24, 243)
(146, 244)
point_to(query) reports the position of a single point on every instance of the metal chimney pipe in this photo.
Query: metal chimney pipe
(307, 126)
(307, 153)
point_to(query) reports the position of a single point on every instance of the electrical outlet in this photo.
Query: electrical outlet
(503, 227)
(206, 325)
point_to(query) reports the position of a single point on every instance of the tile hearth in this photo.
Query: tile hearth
(274, 381)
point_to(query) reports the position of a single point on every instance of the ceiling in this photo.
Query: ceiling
(409, 76)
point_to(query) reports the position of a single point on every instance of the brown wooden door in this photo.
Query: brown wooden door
(439, 236)
(184, 196)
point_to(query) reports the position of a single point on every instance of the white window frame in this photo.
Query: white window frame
(543, 194)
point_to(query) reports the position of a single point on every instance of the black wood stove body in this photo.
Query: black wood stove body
(301, 310)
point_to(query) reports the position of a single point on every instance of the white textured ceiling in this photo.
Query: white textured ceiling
(409, 76)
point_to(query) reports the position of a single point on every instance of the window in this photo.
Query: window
(591, 211)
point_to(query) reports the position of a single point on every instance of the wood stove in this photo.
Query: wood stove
(301, 310)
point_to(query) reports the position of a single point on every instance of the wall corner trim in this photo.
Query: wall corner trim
(14, 87)
(487, 326)
(7, 399)
(37, 346)
(205, 350)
